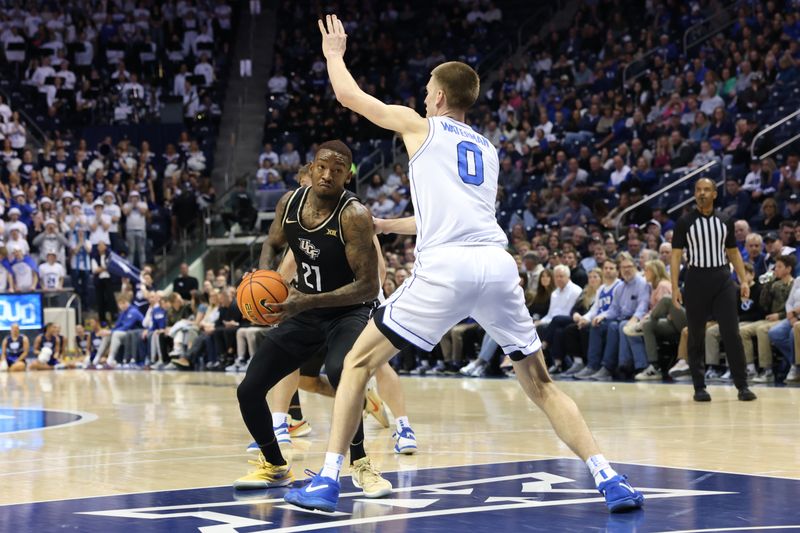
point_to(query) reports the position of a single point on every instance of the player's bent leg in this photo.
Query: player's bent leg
(275, 358)
(280, 397)
(281, 394)
(371, 350)
(571, 428)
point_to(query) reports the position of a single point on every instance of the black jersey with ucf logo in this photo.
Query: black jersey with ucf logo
(319, 252)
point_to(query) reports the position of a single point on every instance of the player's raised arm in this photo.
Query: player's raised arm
(276, 239)
(403, 120)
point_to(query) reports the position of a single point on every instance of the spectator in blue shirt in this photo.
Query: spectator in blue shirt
(735, 202)
(154, 323)
(129, 318)
(629, 304)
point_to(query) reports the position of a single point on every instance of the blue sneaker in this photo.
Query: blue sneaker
(321, 493)
(620, 496)
(405, 442)
(253, 448)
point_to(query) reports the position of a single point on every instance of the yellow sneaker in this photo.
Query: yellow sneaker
(367, 478)
(374, 405)
(265, 476)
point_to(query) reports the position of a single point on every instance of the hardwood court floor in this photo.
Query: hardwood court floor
(161, 430)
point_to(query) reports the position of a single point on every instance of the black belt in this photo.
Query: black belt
(709, 269)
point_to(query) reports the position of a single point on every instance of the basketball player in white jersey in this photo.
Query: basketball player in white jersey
(462, 269)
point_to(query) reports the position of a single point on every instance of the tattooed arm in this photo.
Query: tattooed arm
(363, 260)
(276, 240)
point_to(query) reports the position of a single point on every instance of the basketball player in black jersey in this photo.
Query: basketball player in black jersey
(330, 234)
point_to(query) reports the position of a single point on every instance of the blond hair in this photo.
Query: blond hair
(459, 82)
(659, 271)
(589, 292)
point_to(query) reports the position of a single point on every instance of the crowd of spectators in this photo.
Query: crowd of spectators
(194, 326)
(81, 63)
(577, 147)
(59, 206)
(302, 109)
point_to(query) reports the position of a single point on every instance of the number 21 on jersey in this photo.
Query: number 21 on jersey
(312, 276)
(470, 163)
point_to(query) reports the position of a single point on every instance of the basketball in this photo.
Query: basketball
(256, 291)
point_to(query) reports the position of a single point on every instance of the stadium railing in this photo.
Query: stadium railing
(769, 128)
(710, 26)
(650, 197)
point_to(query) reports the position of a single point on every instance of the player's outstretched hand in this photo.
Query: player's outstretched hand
(378, 225)
(334, 39)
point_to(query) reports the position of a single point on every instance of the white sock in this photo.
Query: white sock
(600, 469)
(279, 419)
(332, 466)
(577, 360)
(401, 422)
(751, 367)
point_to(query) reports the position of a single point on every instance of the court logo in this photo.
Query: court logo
(553, 495)
(14, 421)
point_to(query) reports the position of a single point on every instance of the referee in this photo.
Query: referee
(709, 291)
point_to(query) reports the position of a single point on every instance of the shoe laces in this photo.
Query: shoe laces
(366, 470)
(261, 463)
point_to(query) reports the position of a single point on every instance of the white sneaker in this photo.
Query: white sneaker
(648, 374)
(423, 367)
(235, 366)
(601, 375)
(794, 375)
(405, 441)
(574, 369)
(479, 371)
(440, 368)
(752, 374)
(726, 376)
(681, 368)
(585, 373)
(467, 370)
(766, 376)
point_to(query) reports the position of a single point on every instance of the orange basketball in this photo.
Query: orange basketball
(256, 291)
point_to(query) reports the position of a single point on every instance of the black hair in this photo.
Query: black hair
(339, 147)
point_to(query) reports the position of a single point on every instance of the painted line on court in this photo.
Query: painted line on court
(85, 418)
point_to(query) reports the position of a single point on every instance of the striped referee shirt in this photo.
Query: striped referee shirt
(705, 239)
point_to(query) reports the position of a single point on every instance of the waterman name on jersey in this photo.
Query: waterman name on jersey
(469, 134)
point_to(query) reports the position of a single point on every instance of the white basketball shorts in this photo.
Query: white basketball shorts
(451, 283)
